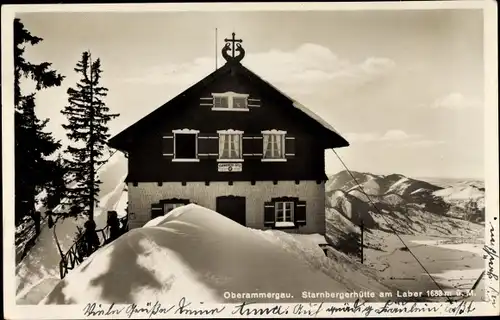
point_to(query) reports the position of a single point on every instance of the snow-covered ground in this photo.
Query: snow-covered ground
(462, 196)
(457, 278)
(38, 272)
(197, 253)
(476, 248)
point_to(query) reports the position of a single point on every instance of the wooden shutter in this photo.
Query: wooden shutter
(253, 103)
(269, 214)
(156, 210)
(208, 145)
(168, 146)
(259, 146)
(289, 147)
(251, 145)
(300, 213)
(207, 101)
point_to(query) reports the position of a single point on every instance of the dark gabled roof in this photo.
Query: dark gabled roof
(120, 140)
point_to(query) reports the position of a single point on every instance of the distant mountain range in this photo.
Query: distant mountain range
(396, 202)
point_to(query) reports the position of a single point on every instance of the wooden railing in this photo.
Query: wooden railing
(79, 250)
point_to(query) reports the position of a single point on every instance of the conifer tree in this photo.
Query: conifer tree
(57, 187)
(33, 146)
(87, 130)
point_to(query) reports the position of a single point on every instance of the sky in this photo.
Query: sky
(405, 88)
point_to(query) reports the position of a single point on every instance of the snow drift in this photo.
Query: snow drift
(196, 253)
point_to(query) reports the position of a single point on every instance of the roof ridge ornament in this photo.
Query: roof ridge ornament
(237, 52)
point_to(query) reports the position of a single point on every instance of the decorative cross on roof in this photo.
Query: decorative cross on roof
(234, 45)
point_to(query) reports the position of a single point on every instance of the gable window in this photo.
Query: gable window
(274, 145)
(284, 213)
(230, 101)
(221, 102)
(185, 145)
(230, 145)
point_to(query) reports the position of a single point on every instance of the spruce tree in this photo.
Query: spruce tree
(33, 146)
(87, 130)
(57, 187)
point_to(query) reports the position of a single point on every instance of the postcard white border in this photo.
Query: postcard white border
(13, 311)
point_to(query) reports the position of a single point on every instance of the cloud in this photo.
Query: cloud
(300, 70)
(392, 137)
(425, 143)
(455, 101)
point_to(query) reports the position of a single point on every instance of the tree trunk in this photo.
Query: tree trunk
(91, 143)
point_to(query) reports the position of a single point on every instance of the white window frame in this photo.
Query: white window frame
(284, 222)
(232, 132)
(230, 96)
(278, 134)
(186, 131)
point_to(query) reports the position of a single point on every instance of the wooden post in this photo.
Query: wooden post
(362, 227)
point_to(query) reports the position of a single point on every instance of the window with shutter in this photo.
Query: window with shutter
(230, 101)
(230, 148)
(168, 205)
(285, 212)
(185, 145)
(273, 145)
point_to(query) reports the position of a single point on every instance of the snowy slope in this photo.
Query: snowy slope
(461, 195)
(197, 253)
(40, 267)
(408, 206)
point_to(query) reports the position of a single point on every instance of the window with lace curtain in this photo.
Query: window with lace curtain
(274, 145)
(230, 145)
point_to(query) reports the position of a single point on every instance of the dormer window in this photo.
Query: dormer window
(230, 101)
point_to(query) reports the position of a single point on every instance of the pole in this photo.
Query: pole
(215, 48)
(362, 227)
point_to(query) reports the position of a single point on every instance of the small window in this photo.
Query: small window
(274, 145)
(284, 213)
(185, 145)
(230, 101)
(230, 145)
(167, 207)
